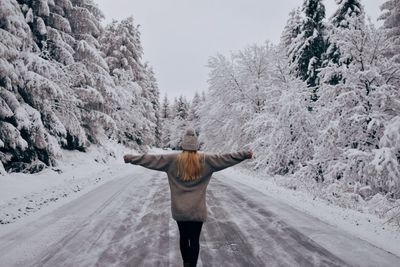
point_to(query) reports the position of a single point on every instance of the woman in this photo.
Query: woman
(189, 173)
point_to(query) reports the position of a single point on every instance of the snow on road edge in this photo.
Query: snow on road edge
(365, 226)
(22, 195)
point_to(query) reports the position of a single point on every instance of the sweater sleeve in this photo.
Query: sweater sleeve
(159, 162)
(219, 162)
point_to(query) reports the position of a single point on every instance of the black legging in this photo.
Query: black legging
(189, 240)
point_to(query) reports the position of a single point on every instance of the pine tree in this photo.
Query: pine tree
(182, 108)
(308, 47)
(178, 122)
(166, 118)
(292, 28)
(193, 116)
(203, 96)
(194, 106)
(123, 50)
(55, 86)
(151, 95)
(165, 109)
(347, 9)
(357, 116)
(391, 22)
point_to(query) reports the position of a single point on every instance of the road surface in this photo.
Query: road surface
(127, 222)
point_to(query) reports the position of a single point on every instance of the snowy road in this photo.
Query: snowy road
(127, 222)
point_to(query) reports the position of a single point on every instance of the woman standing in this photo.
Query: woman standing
(189, 173)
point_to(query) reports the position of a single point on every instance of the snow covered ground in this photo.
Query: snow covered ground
(78, 172)
(124, 218)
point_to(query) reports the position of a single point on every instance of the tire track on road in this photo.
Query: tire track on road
(85, 234)
(262, 239)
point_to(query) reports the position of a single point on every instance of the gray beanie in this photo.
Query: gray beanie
(189, 141)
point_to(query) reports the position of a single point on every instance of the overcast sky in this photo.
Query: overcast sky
(178, 36)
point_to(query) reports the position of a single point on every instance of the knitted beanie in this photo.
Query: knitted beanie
(190, 141)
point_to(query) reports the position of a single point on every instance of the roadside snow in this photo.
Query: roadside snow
(78, 172)
(365, 226)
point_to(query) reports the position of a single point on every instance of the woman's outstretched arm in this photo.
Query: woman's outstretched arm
(159, 162)
(219, 162)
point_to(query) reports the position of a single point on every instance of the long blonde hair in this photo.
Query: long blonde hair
(189, 165)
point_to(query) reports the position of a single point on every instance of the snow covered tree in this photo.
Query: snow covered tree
(203, 96)
(193, 116)
(165, 108)
(347, 9)
(237, 90)
(165, 121)
(122, 48)
(151, 105)
(178, 122)
(27, 94)
(181, 108)
(307, 48)
(292, 28)
(391, 22)
(55, 87)
(283, 133)
(357, 116)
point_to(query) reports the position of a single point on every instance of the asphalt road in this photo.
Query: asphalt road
(127, 222)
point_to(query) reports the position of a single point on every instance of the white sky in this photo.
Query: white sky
(178, 36)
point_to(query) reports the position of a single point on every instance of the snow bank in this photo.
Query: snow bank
(78, 172)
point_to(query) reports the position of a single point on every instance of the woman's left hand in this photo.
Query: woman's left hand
(249, 154)
(127, 158)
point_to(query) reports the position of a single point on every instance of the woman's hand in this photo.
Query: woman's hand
(249, 154)
(127, 158)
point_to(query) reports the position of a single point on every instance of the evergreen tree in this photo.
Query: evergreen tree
(308, 47)
(178, 122)
(166, 118)
(347, 9)
(357, 115)
(194, 106)
(151, 106)
(165, 108)
(193, 116)
(182, 108)
(123, 50)
(55, 86)
(292, 28)
(203, 96)
(391, 22)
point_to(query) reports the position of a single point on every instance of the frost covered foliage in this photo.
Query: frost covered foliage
(56, 90)
(284, 132)
(237, 90)
(359, 116)
(307, 48)
(176, 118)
(391, 22)
(253, 100)
(346, 146)
(347, 9)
